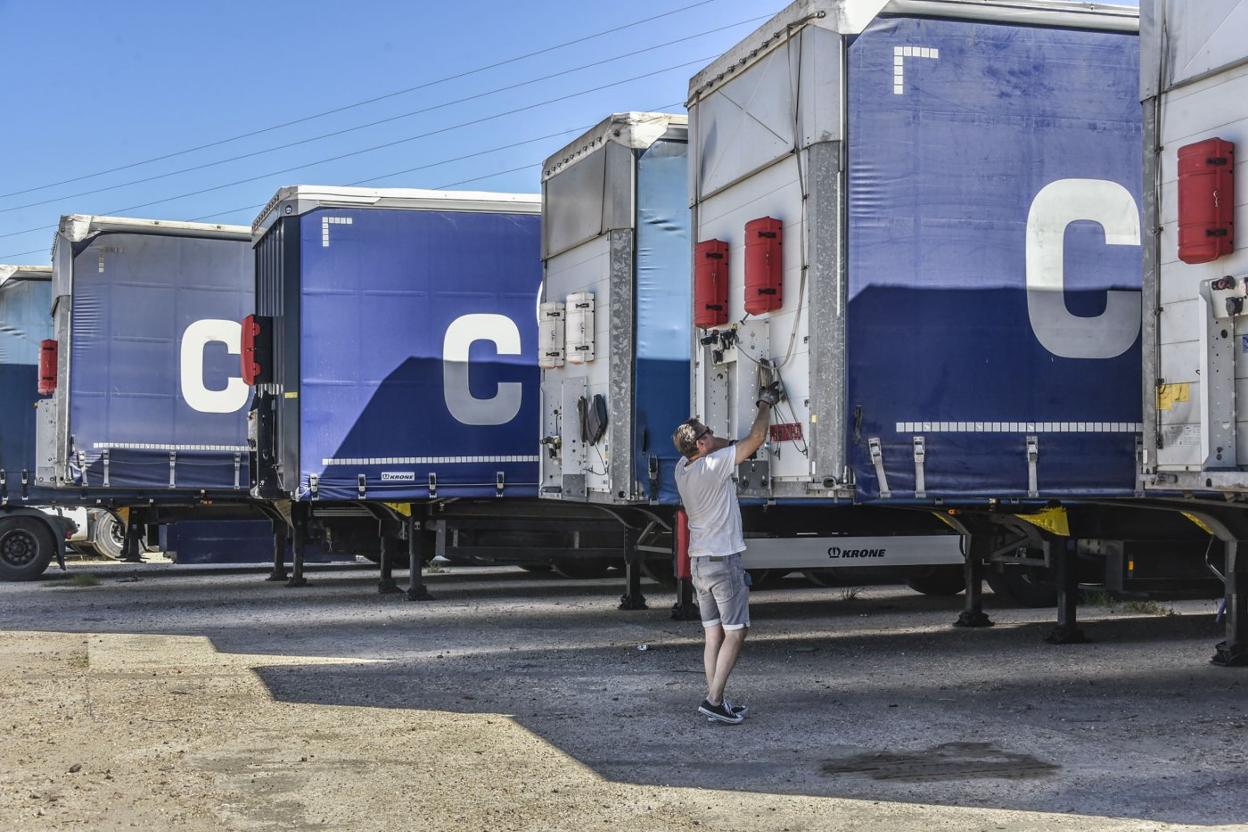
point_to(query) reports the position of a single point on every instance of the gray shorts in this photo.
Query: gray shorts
(723, 597)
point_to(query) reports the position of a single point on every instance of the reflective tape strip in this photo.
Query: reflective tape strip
(146, 446)
(428, 460)
(1020, 427)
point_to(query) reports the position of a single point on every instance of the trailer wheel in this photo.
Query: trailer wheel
(27, 546)
(109, 538)
(943, 581)
(584, 567)
(1027, 586)
(661, 570)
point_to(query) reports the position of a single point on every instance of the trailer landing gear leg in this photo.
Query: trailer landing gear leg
(300, 541)
(130, 545)
(1234, 651)
(279, 552)
(684, 609)
(632, 599)
(386, 585)
(1067, 630)
(973, 614)
(416, 541)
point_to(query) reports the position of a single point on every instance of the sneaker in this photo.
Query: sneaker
(742, 710)
(719, 713)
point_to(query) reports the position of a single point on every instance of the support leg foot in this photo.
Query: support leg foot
(973, 618)
(684, 609)
(418, 543)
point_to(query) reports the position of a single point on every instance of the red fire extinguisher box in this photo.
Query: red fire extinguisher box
(1206, 200)
(764, 265)
(710, 284)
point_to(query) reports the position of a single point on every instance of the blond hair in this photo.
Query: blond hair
(686, 436)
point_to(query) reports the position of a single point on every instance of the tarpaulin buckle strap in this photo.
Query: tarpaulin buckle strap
(82, 468)
(25, 484)
(107, 457)
(500, 483)
(433, 485)
(4, 488)
(1033, 456)
(361, 485)
(314, 484)
(920, 455)
(173, 469)
(238, 465)
(877, 459)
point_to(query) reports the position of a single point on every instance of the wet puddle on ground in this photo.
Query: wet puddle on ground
(950, 761)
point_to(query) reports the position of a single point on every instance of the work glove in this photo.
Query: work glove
(769, 394)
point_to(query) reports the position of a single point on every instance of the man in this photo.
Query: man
(709, 494)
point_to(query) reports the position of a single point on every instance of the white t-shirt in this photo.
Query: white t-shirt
(710, 497)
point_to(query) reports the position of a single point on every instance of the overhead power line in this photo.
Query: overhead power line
(362, 102)
(378, 122)
(660, 109)
(469, 123)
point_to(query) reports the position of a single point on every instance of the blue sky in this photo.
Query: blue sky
(91, 86)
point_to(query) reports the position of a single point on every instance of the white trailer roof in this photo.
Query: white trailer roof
(1183, 42)
(18, 272)
(849, 17)
(294, 200)
(77, 227)
(633, 130)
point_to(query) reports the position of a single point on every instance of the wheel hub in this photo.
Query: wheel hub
(18, 548)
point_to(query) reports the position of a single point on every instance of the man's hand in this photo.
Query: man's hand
(769, 394)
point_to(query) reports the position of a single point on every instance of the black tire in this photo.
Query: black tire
(827, 578)
(661, 570)
(1027, 586)
(536, 568)
(941, 581)
(109, 537)
(584, 567)
(27, 546)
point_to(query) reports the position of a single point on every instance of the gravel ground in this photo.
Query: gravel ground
(214, 701)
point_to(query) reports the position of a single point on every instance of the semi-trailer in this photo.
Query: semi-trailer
(924, 219)
(144, 415)
(1194, 89)
(31, 534)
(393, 353)
(616, 334)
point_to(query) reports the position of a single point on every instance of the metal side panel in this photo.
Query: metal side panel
(1189, 341)
(589, 267)
(24, 323)
(620, 349)
(774, 192)
(828, 460)
(1151, 380)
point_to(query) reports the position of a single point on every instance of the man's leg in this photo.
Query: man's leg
(710, 657)
(724, 662)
